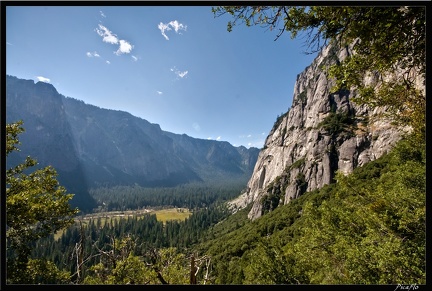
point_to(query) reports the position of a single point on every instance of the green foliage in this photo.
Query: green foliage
(192, 196)
(269, 265)
(173, 266)
(272, 199)
(361, 235)
(128, 271)
(40, 271)
(368, 228)
(237, 243)
(373, 230)
(337, 122)
(165, 266)
(36, 206)
(297, 164)
(148, 233)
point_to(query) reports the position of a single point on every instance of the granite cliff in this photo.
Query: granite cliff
(323, 132)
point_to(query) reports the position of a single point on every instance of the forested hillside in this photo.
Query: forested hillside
(369, 228)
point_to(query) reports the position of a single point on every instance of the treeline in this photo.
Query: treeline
(93, 239)
(191, 196)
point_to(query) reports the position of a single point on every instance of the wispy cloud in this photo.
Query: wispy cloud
(93, 54)
(102, 14)
(182, 74)
(43, 79)
(168, 26)
(178, 72)
(8, 43)
(107, 36)
(177, 26)
(218, 138)
(135, 58)
(96, 55)
(159, 92)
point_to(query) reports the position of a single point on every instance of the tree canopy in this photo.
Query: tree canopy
(36, 206)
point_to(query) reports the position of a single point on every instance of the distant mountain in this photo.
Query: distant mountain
(92, 147)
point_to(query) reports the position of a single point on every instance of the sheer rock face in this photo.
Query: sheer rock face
(306, 153)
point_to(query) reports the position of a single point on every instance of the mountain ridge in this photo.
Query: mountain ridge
(92, 147)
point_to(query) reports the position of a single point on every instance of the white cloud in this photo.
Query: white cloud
(249, 135)
(135, 58)
(218, 138)
(177, 26)
(93, 54)
(174, 24)
(178, 72)
(162, 27)
(159, 92)
(182, 74)
(43, 79)
(108, 62)
(102, 14)
(107, 35)
(124, 48)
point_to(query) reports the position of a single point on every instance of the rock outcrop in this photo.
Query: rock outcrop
(323, 132)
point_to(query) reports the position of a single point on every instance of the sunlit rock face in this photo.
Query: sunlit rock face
(323, 132)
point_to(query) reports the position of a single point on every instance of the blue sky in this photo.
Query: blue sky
(176, 66)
